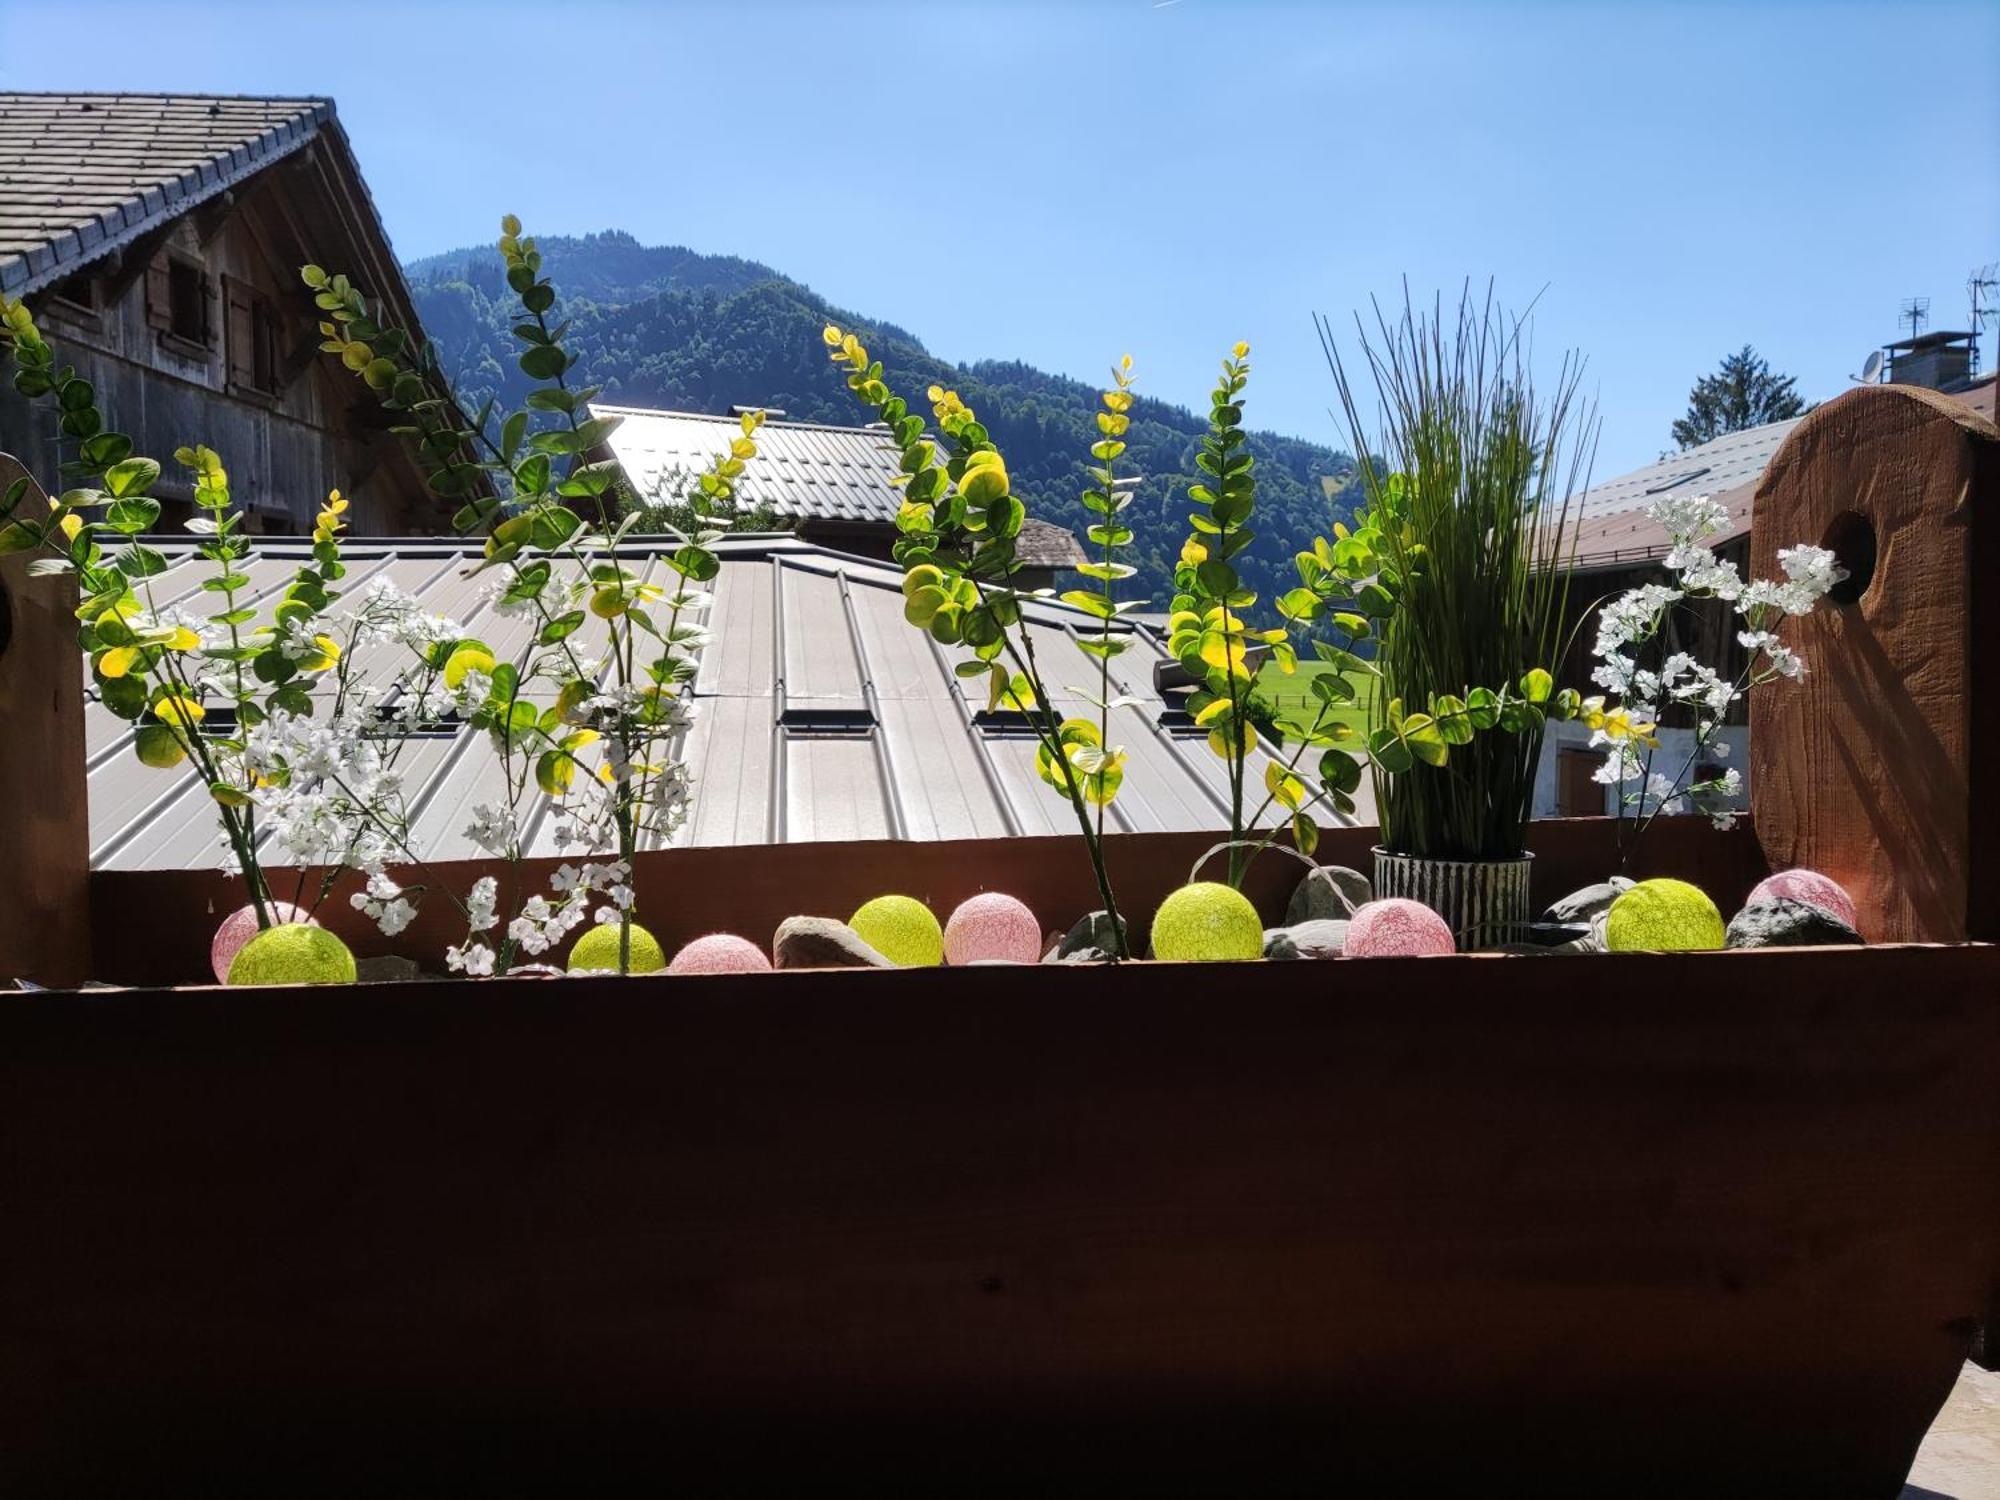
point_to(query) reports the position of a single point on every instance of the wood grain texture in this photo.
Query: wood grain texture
(44, 821)
(1676, 1224)
(1879, 768)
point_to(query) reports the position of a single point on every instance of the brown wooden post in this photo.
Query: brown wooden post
(1882, 768)
(44, 808)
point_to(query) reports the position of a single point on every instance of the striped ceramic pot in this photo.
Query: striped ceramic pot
(1483, 901)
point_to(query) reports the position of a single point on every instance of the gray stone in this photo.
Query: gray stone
(1589, 938)
(1589, 903)
(822, 943)
(388, 968)
(1321, 938)
(1091, 941)
(1319, 897)
(1783, 923)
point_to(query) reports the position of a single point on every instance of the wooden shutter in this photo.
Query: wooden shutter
(240, 333)
(159, 294)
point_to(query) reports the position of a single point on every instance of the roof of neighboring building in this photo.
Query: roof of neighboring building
(82, 175)
(1609, 522)
(822, 714)
(804, 471)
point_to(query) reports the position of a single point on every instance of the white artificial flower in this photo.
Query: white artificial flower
(384, 903)
(472, 690)
(1813, 569)
(295, 639)
(492, 829)
(1688, 519)
(472, 959)
(494, 596)
(480, 902)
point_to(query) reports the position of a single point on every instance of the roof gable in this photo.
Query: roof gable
(82, 175)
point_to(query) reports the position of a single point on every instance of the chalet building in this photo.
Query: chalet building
(830, 484)
(1617, 548)
(157, 239)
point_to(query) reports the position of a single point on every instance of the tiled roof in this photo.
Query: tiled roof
(821, 715)
(82, 175)
(1609, 522)
(805, 471)
(1721, 464)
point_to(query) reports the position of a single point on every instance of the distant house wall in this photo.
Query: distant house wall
(1562, 792)
(1705, 630)
(244, 374)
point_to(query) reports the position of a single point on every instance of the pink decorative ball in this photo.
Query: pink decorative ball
(992, 926)
(1396, 928)
(719, 953)
(240, 926)
(1810, 887)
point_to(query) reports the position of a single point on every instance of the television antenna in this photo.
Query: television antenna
(1916, 312)
(1984, 290)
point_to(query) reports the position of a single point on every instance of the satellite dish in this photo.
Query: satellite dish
(1871, 368)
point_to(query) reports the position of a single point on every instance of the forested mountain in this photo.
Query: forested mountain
(663, 326)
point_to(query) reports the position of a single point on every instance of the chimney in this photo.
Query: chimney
(1938, 361)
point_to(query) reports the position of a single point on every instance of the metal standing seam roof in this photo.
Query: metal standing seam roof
(82, 175)
(822, 715)
(803, 470)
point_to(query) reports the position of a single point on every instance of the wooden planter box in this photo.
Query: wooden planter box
(1680, 1224)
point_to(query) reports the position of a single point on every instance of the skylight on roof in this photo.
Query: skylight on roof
(1686, 476)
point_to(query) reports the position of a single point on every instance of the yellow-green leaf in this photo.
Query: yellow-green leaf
(117, 661)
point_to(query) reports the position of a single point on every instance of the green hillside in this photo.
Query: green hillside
(664, 326)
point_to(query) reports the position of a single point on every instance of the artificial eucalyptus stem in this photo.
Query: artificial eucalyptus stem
(958, 525)
(632, 708)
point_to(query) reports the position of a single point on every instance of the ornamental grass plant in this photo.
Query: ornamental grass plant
(1470, 487)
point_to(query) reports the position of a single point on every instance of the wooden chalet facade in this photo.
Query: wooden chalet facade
(158, 239)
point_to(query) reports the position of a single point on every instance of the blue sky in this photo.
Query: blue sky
(1066, 183)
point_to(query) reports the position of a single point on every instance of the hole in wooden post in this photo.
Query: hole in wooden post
(1851, 540)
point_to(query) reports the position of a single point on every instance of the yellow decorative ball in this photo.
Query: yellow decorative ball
(1662, 916)
(1206, 921)
(983, 483)
(598, 949)
(292, 954)
(902, 929)
(464, 660)
(160, 747)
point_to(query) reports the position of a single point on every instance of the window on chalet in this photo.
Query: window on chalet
(177, 301)
(78, 293)
(187, 302)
